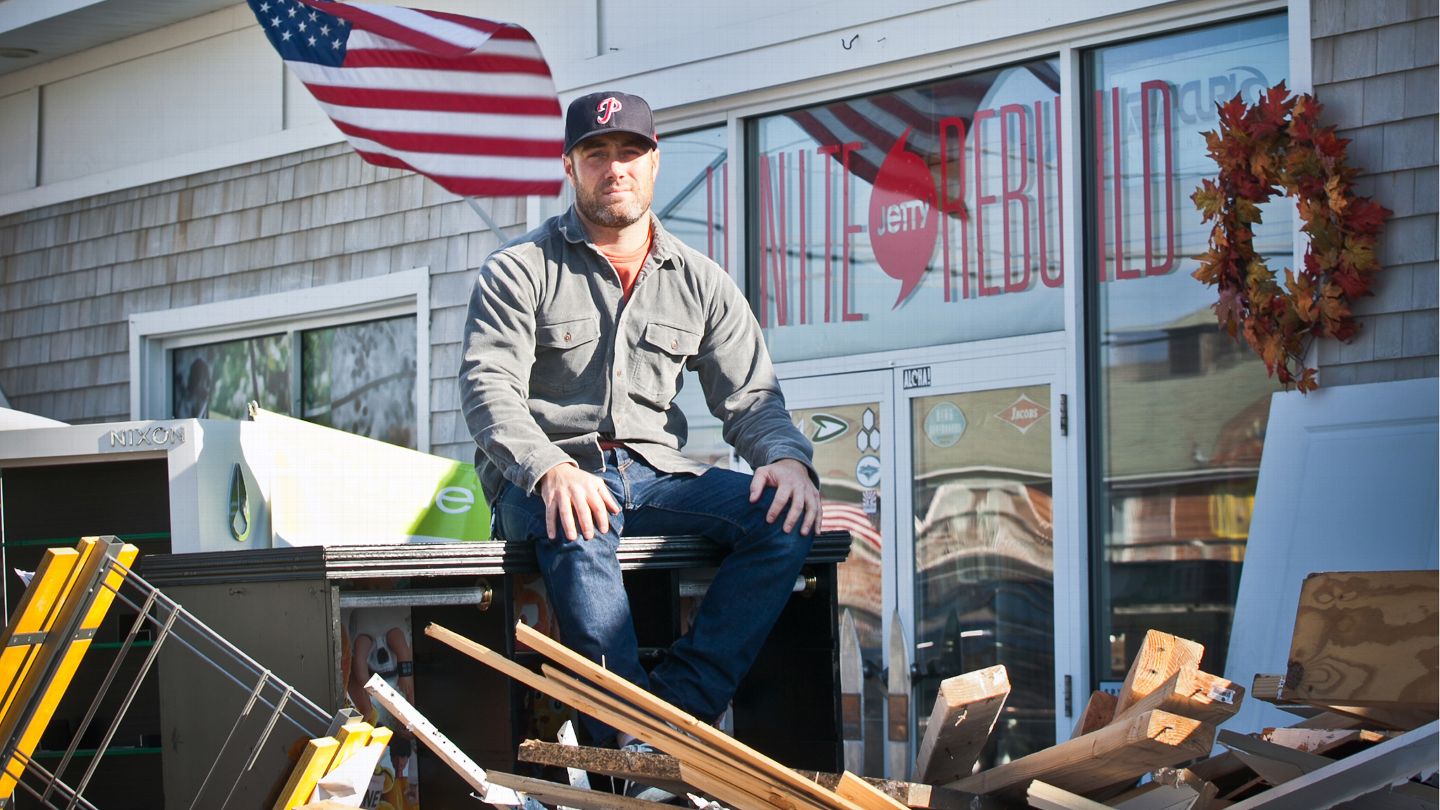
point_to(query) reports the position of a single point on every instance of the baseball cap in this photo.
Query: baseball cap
(608, 111)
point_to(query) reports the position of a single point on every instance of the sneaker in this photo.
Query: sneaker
(640, 790)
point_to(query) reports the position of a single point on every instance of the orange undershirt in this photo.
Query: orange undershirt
(628, 265)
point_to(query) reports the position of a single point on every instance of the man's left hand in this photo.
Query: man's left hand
(793, 488)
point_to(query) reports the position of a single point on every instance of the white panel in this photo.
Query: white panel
(301, 108)
(219, 90)
(1347, 483)
(19, 128)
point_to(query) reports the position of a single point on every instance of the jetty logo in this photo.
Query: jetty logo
(903, 223)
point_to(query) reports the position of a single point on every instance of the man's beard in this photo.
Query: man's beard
(615, 215)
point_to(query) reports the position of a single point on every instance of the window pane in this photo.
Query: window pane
(360, 378)
(984, 555)
(1181, 407)
(691, 195)
(218, 380)
(922, 216)
(847, 450)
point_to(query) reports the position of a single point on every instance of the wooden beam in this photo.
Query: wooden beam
(965, 711)
(707, 734)
(864, 794)
(1190, 693)
(1271, 689)
(1160, 657)
(1366, 639)
(1099, 711)
(1114, 754)
(1048, 797)
(1369, 774)
(556, 793)
(663, 770)
(1321, 740)
(1169, 789)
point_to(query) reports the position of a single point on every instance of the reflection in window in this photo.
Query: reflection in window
(691, 197)
(1181, 406)
(219, 380)
(846, 438)
(984, 555)
(914, 217)
(357, 377)
(360, 378)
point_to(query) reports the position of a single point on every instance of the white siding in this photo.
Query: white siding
(19, 139)
(218, 90)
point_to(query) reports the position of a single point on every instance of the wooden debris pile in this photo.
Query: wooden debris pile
(1362, 674)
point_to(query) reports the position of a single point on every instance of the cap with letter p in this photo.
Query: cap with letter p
(607, 111)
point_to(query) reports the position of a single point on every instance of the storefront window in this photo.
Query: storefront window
(1180, 407)
(357, 377)
(914, 217)
(691, 197)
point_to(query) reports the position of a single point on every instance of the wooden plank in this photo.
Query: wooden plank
(667, 713)
(1190, 693)
(1048, 797)
(1366, 639)
(739, 783)
(897, 706)
(852, 694)
(1271, 689)
(1321, 740)
(863, 794)
(1099, 711)
(1365, 776)
(1160, 657)
(556, 793)
(1169, 789)
(965, 711)
(663, 770)
(1114, 754)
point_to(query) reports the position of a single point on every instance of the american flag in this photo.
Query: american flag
(468, 103)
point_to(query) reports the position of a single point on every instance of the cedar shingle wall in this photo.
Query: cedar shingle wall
(72, 274)
(1375, 72)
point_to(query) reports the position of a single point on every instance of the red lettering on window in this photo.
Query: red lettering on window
(845, 231)
(1017, 194)
(1101, 270)
(827, 151)
(981, 199)
(953, 205)
(1118, 178)
(772, 246)
(1151, 268)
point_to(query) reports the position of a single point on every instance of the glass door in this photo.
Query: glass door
(981, 460)
(847, 418)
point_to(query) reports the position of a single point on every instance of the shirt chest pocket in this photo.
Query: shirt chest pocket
(567, 356)
(659, 360)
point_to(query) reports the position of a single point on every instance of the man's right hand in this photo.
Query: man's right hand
(576, 502)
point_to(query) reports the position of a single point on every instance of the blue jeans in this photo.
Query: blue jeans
(702, 669)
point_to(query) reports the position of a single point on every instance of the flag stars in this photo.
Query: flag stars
(313, 16)
(302, 27)
(325, 30)
(264, 6)
(334, 44)
(293, 12)
(274, 22)
(285, 35)
(312, 41)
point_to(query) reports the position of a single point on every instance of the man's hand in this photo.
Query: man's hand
(793, 487)
(575, 499)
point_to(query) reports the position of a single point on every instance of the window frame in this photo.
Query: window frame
(153, 335)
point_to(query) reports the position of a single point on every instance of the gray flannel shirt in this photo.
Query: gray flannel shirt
(556, 360)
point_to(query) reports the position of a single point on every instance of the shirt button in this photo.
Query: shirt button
(567, 337)
(674, 344)
(619, 372)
